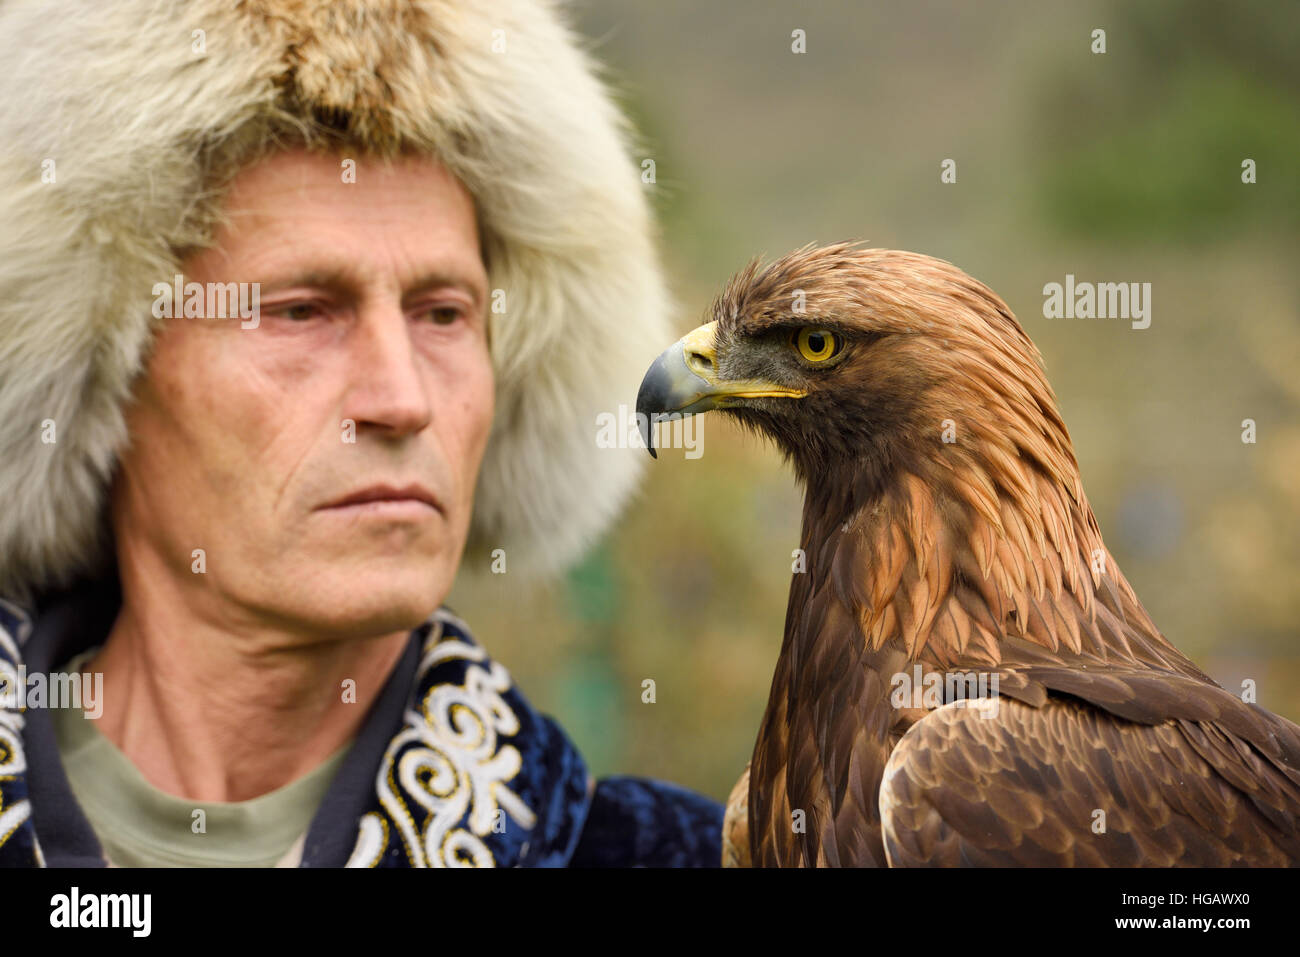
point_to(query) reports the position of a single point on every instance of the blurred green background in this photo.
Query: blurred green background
(1122, 166)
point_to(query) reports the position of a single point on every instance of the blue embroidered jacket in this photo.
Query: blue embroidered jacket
(452, 767)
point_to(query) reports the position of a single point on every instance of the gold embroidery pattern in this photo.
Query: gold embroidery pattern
(13, 762)
(448, 760)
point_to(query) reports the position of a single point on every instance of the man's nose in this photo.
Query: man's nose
(387, 391)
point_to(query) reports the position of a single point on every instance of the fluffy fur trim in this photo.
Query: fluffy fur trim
(115, 94)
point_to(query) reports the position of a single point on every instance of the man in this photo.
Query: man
(299, 301)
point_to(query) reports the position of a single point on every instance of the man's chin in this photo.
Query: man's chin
(371, 601)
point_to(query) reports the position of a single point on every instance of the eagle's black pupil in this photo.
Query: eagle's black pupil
(815, 342)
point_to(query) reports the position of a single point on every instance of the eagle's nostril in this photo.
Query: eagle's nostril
(699, 361)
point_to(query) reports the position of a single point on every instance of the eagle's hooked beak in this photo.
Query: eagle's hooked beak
(684, 380)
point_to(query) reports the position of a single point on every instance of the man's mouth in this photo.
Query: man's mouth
(386, 498)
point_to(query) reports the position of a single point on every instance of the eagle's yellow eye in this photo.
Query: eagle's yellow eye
(817, 345)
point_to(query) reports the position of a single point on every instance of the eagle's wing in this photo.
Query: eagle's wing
(1002, 782)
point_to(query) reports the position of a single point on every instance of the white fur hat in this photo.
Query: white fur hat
(134, 108)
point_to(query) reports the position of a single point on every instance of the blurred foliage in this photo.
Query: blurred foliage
(1116, 167)
(1153, 145)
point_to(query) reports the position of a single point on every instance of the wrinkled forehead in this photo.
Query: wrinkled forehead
(340, 216)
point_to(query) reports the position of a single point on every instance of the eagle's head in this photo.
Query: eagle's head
(872, 361)
(943, 509)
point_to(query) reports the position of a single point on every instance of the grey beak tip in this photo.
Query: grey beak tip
(647, 433)
(649, 399)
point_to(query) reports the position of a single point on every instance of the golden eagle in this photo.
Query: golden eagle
(966, 676)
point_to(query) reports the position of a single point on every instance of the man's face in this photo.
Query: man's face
(367, 376)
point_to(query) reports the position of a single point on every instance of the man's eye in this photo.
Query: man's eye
(443, 315)
(300, 311)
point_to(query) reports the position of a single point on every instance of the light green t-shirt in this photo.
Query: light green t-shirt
(141, 826)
